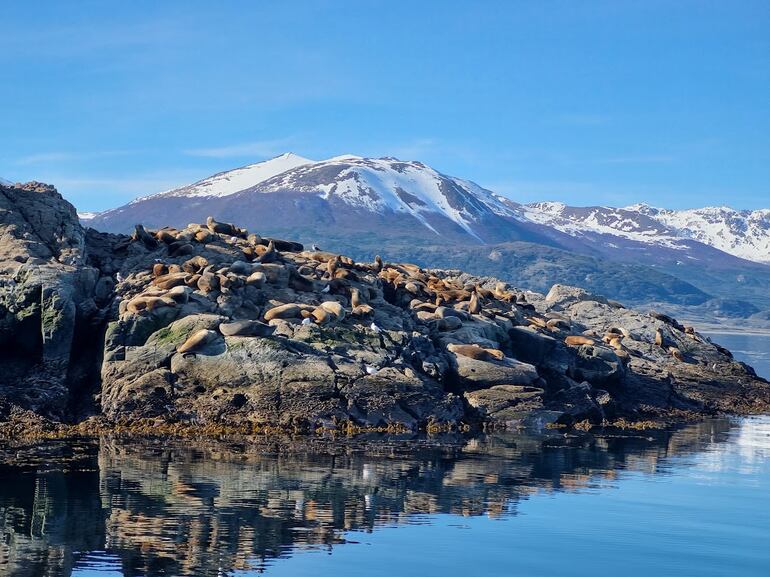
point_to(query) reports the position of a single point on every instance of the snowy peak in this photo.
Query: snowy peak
(232, 181)
(745, 234)
(390, 185)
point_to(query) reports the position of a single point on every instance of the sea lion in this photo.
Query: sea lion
(208, 282)
(140, 234)
(270, 255)
(170, 280)
(148, 303)
(578, 340)
(362, 310)
(476, 352)
(287, 311)
(180, 248)
(355, 297)
(166, 236)
(659, 338)
(334, 308)
(203, 236)
(378, 265)
(285, 245)
(180, 294)
(557, 324)
(246, 328)
(197, 340)
(194, 264)
(193, 281)
(159, 269)
(676, 353)
(332, 265)
(222, 227)
(474, 306)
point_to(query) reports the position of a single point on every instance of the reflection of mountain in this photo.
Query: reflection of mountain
(173, 509)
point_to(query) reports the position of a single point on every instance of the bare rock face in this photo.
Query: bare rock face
(211, 324)
(47, 298)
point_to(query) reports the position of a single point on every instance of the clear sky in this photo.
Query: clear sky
(585, 102)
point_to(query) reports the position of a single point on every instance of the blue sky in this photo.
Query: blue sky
(584, 102)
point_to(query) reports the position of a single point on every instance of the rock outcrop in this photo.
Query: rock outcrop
(213, 324)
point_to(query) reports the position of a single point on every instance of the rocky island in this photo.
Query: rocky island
(214, 325)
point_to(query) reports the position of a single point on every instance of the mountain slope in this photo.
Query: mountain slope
(383, 195)
(743, 234)
(232, 181)
(405, 209)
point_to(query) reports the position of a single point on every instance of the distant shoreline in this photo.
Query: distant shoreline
(730, 330)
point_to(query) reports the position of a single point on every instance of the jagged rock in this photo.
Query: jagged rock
(197, 325)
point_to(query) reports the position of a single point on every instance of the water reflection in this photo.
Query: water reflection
(160, 508)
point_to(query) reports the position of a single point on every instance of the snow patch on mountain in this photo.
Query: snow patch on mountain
(742, 233)
(87, 216)
(745, 234)
(388, 184)
(625, 223)
(232, 181)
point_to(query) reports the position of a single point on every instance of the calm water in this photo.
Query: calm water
(691, 501)
(752, 349)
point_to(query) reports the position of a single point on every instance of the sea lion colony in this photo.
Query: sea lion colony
(215, 324)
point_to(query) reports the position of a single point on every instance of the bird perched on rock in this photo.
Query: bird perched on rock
(375, 328)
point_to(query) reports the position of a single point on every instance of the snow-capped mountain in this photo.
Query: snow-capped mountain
(386, 196)
(744, 234)
(368, 194)
(407, 210)
(232, 181)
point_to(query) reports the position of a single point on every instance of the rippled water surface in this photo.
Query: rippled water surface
(691, 501)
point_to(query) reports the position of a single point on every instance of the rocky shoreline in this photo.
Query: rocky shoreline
(213, 327)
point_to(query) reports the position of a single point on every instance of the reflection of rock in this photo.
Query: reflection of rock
(177, 508)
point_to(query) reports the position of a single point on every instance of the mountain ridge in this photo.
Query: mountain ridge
(402, 208)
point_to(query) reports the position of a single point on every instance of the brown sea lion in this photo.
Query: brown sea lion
(159, 269)
(355, 297)
(197, 340)
(332, 265)
(676, 353)
(270, 255)
(222, 227)
(578, 340)
(377, 264)
(286, 311)
(362, 310)
(476, 352)
(474, 306)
